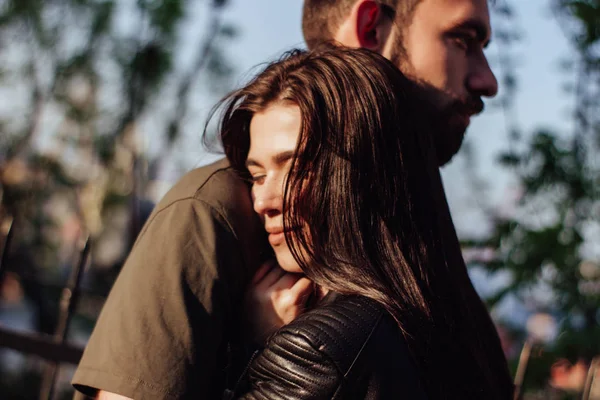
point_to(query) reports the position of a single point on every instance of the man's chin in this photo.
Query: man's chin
(448, 142)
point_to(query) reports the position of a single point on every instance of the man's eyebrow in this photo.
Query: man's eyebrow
(278, 158)
(481, 30)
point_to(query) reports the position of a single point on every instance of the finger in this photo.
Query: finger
(286, 281)
(302, 290)
(271, 278)
(263, 270)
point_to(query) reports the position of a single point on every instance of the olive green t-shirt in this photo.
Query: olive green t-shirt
(164, 330)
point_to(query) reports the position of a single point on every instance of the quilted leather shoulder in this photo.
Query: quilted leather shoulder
(339, 329)
(318, 355)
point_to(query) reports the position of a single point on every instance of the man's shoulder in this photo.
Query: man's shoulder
(217, 184)
(209, 196)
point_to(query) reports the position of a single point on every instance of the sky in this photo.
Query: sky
(269, 27)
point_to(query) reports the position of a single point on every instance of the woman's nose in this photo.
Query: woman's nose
(267, 198)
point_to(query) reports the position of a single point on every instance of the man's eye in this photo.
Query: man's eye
(461, 41)
(464, 41)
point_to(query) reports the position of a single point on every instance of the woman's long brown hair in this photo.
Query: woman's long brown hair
(366, 212)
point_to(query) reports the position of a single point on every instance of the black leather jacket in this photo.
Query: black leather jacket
(347, 348)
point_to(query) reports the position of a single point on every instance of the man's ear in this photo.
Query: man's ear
(368, 19)
(366, 26)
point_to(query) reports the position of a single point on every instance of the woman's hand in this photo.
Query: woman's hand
(273, 299)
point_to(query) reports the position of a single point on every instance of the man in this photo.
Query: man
(170, 322)
(437, 42)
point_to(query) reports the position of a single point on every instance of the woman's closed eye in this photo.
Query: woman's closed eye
(257, 179)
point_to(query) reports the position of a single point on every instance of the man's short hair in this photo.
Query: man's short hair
(322, 18)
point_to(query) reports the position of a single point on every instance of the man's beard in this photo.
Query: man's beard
(449, 115)
(450, 124)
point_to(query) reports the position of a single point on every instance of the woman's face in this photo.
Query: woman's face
(273, 138)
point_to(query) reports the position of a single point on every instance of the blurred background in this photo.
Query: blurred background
(102, 108)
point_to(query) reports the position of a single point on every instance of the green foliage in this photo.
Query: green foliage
(587, 12)
(150, 64)
(164, 14)
(102, 18)
(545, 243)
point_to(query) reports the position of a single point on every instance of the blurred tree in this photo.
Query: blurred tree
(78, 80)
(550, 244)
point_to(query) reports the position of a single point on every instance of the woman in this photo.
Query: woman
(343, 174)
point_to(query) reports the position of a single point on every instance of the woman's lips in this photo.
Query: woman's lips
(276, 238)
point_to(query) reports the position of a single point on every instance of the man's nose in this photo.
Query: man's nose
(481, 80)
(267, 199)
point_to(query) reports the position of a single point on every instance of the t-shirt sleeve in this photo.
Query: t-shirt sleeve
(162, 326)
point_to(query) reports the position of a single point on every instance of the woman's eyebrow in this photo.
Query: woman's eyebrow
(252, 163)
(279, 158)
(283, 157)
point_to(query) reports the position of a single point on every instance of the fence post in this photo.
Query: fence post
(68, 304)
(7, 239)
(522, 368)
(589, 379)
